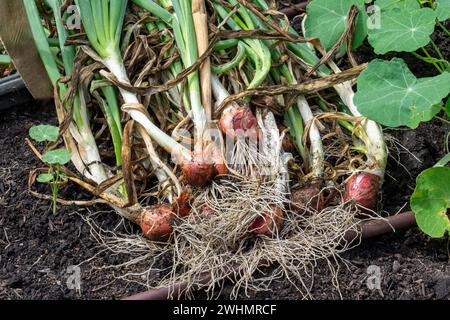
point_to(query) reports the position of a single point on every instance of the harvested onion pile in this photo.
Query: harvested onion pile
(189, 118)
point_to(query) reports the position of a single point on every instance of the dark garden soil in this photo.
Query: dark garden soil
(36, 247)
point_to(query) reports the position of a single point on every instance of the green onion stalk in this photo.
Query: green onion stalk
(206, 160)
(294, 115)
(233, 63)
(317, 152)
(179, 95)
(255, 49)
(85, 154)
(260, 66)
(371, 135)
(167, 180)
(316, 158)
(103, 21)
(109, 105)
(162, 170)
(155, 221)
(238, 122)
(182, 25)
(370, 178)
(310, 194)
(374, 141)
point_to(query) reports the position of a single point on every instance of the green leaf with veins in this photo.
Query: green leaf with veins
(431, 200)
(403, 30)
(327, 20)
(60, 156)
(43, 133)
(390, 94)
(45, 178)
(397, 4)
(443, 9)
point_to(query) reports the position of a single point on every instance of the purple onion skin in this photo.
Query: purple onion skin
(362, 188)
(268, 223)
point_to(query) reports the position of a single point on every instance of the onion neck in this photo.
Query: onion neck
(372, 137)
(317, 153)
(115, 65)
(86, 144)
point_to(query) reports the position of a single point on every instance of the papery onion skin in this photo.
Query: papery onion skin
(214, 155)
(239, 122)
(309, 197)
(206, 210)
(199, 174)
(204, 167)
(156, 222)
(362, 188)
(268, 223)
(182, 206)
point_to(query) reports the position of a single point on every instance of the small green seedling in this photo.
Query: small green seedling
(54, 159)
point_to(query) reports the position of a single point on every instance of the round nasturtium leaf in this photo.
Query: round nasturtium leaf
(45, 178)
(402, 30)
(390, 94)
(43, 133)
(60, 156)
(327, 20)
(431, 200)
(397, 4)
(443, 9)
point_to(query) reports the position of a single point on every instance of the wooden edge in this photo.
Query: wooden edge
(16, 36)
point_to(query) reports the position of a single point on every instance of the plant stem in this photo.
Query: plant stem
(55, 188)
(432, 60)
(443, 28)
(442, 119)
(55, 195)
(316, 153)
(295, 124)
(441, 56)
(443, 162)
